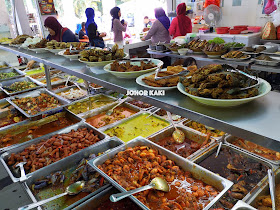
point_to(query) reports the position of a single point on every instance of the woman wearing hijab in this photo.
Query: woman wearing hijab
(57, 32)
(180, 25)
(159, 30)
(159, 33)
(117, 26)
(95, 38)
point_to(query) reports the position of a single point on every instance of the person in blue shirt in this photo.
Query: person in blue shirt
(79, 27)
(82, 32)
(57, 32)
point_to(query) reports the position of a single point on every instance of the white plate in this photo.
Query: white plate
(72, 57)
(6, 43)
(133, 74)
(54, 50)
(38, 50)
(102, 63)
(236, 59)
(264, 89)
(139, 81)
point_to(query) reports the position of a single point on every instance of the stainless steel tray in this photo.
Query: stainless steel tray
(4, 157)
(203, 155)
(68, 88)
(188, 120)
(104, 109)
(132, 117)
(240, 205)
(53, 83)
(229, 139)
(94, 96)
(263, 190)
(70, 162)
(20, 73)
(4, 63)
(36, 93)
(190, 134)
(7, 83)
(179, 120)
(198, 172)
(61, 83)
(95, 201)
(27, 124)
(4, 102)
(144, 109)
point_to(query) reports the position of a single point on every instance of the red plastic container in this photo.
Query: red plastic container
(242, 28)
(254, 28)
(235, 31)
(222, 30)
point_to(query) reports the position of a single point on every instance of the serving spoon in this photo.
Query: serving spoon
(72, 189)
(110, 111)
(156, 183)
(177, 134)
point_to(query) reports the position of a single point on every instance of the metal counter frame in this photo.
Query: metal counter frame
(255, 121)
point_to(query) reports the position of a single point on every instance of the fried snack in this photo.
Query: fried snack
(20, 39)
(212, 81)
(171, 82)
(235, 54)
(41, 44)
(128, 67)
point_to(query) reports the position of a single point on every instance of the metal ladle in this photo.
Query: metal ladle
(72, 189)
(178, 135)
(271, 181)
(156, 183)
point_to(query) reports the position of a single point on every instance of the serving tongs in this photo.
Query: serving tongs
(22, 171)
(182, 73)
(271, 181)
(153, 112)
(73, 51)
(236, 90)
(222, 141)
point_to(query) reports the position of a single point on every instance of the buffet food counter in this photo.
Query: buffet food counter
(255, 121)
(80, 142)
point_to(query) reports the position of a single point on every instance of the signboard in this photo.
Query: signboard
(47, 7)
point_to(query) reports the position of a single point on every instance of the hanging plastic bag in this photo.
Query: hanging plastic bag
(269, 31)
(270, 7)
(276, 18)
(209, 2)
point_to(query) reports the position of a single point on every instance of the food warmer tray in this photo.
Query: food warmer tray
(95, 201)
(151, 110)
(4, 157)
(36, 93)
(7, 83)
(114, 101)
(132, 117)
(229, 139)
(263, 190)
(2, 63)
(240, 205)
(197, 171)
(68, 88)
(18, 72)
(203, 155)
(144, 109)
(266, 63)
(189, 133)
(53, 83)
(184, 121)
(30, 123)
(104, 109)
(69, 162)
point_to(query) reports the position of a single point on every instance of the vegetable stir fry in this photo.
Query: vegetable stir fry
(7, 75)
(34, 105)
(20, 86)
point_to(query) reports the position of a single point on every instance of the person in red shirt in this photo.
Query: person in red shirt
(180, 25)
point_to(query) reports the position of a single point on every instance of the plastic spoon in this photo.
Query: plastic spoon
(178, 135)
(156, 183)
(72, 189)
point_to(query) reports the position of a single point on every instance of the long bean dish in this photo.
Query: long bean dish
(136, 167)
(34, 105)
(20, 86)
(53, 149)
(7, 75)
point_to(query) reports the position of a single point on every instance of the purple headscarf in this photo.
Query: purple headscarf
(161, 16)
